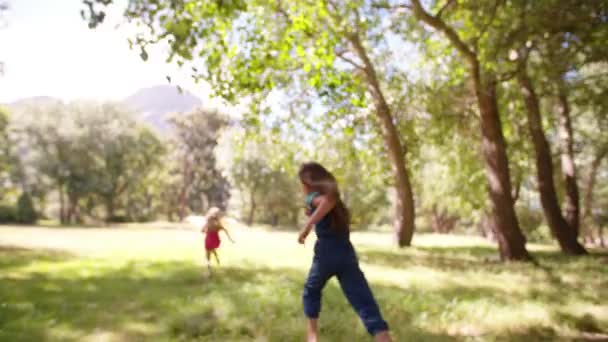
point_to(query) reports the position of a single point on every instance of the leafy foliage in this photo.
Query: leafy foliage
(200, 182)
(8, 214)
(26, 213)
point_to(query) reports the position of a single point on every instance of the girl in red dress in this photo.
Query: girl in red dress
(211, 229)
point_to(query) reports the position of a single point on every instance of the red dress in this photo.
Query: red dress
(212, 240)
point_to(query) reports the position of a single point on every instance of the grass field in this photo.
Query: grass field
(144, 283)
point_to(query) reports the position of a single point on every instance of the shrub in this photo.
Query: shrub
(25, 210)
(120, 219)
(8, 214)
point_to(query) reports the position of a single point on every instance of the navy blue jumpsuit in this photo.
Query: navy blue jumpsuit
(335, 255)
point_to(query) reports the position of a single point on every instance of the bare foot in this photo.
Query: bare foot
(383, 336)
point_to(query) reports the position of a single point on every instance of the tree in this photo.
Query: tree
(256, 47)
(45, 145)
(4, 6)
(108, 155)
(5, 153)
(201, 184)
(565, 234)
(250, 176)
(590, 100)
(480, 16)
(26, 213)
(553, 43)
(87, 151)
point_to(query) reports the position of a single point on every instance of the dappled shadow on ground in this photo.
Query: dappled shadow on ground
(471, 258)
(439, 258)
(148, 300)
(553, 281)
(152, 300)
(12, 256)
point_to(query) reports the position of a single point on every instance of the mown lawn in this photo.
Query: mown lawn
(144, 283)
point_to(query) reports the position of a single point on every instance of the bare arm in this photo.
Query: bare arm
(226, 232)
(323, 206)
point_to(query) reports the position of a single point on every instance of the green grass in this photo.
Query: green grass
(144, 283)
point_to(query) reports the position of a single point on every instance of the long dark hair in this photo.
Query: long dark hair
(318, 179)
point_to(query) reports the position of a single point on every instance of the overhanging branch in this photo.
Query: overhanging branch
(438, 24)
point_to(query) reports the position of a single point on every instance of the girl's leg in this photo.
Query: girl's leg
(208, 254)
(357, 291)
(311, 297)
(217, 258)
(311, 330)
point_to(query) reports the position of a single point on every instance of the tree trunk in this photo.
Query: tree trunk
(183, 203)
(110, 209)
(441, 220)
(294, 217)
(404, 224)
(183, 196)
(568, 165)
(511, 241)
(275, 220)
(252, 206)
(561, 230)
(149, 208)
(486, 227)
(73, 215)
(588, 199)
(61, 204)
(516, 189)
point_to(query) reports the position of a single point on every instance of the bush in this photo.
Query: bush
(8, 214)
(120, 219)
(533, 225)
(25, 210)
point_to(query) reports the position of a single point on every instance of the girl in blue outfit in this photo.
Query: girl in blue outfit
(334, 254)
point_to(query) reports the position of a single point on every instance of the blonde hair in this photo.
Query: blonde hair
(212, 219)
(214, 213)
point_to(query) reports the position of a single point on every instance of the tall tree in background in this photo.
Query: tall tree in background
(563, 232)
(255, 47)
(555, 40)
(590, 98)
(4, 6)
(549, 42)
(47, 143)
(479, 18)
(124, 152)
(576, 33)
(5, 153)
(201, 184)
(87, 151)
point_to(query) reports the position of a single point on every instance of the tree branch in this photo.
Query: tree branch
(449, 32)
(447, 4)
(385, 5)
(342, 56)
(485, 27)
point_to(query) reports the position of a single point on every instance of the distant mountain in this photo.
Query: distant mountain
(156, 102)
(151, 104)
(35, 101)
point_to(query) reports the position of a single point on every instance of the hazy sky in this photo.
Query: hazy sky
(48, 50)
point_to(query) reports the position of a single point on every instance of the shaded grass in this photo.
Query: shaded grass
(142, 285)
(170, 301)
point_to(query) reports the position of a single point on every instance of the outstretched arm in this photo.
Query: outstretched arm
(227, 234)
(323, 205)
